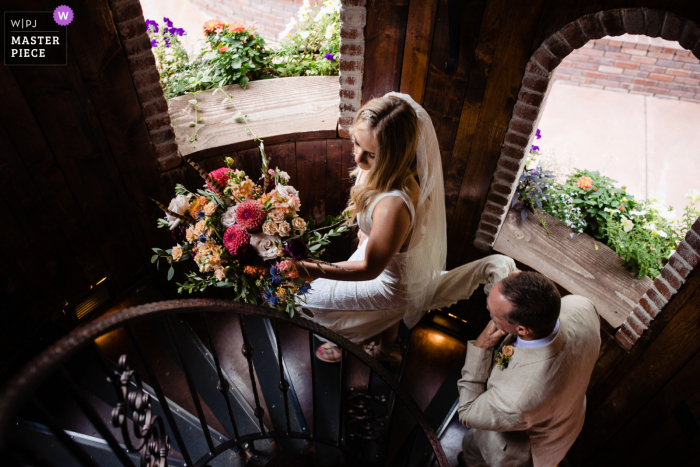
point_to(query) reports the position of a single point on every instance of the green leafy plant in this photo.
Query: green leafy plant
(314, 48)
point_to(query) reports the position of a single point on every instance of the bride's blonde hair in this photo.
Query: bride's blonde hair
(394, 124)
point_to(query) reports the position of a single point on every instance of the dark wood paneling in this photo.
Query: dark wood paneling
(659, 361)
(385, 35)
(311, 174)
(416, 54)
(335, 198)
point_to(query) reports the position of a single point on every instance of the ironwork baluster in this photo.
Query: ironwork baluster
(160, 395)
(67, 442)
(96, 421)
(190, 382)
(340, 397)
(313, 382)
(284, 384)
(223, 386)
(247, 351)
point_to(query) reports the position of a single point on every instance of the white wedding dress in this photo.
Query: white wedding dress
(415, 280)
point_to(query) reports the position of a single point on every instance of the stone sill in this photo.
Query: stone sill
(279, 110)
(578, 262)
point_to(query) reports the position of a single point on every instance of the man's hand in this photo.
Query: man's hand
(489, 337)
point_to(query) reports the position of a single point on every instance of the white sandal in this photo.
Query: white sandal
(328, 353)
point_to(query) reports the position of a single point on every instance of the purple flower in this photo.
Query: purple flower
(329, 57)
(270, 297)
(178, 31)
(538, 135)
(178, 233)
(167, 42)
(154, 43)
(247, 254)
(168, 22)
(297, 249)
(534, 148)
(151, 26)
(270, 184)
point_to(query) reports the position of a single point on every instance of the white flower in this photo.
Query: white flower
(654, 231)
(304, 34)
(330, 30)
(627, 224)
(634, 212)
(265, 245)
(229, 217)
(671, 253)
(179, 205)
(283, 175)
(287, 190)
(693, 195)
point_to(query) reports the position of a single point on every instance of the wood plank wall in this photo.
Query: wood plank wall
(77, 169)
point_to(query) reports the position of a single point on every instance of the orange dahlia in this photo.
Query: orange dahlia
(584, 183)
(212, 26)
(236, 27)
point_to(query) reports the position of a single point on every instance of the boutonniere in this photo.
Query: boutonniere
(503, 356)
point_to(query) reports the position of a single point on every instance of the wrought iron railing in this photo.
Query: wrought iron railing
(148, 430)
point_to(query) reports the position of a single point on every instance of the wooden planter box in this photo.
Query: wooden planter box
(577, 262)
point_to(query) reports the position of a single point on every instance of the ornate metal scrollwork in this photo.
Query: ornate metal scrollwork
(148, 429)
(367, 416)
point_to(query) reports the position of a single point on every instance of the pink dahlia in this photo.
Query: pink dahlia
(220, 176)
(250, 214)
(234, 238)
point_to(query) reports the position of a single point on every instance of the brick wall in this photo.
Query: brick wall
(635, 64)
(272, 15)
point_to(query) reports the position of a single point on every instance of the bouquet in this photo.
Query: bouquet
(245, 234)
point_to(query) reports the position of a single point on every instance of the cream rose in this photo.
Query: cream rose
(284, 228)
(298, 223)
(189, 234)
(210, 209)
(177, 252)
(220, 274)
(199, 228)
(179, 205)
(229, 217)
(265, 245)
(269, 227)
(280, 252)
(287, 190)
(508, 350)
(278, 215)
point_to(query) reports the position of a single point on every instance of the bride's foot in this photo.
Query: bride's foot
(328, 353)
(392, 357)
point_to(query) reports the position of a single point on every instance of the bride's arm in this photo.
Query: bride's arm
(390, 223)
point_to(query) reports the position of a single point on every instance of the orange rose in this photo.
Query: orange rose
(236, 27)
(508, 350)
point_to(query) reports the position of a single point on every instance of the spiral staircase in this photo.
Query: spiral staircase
(220, 383)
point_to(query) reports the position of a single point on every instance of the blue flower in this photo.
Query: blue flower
(202, 238)
(154, 43)
(304, 289)
(538, 135)
(151, 25)
(274, 272)
(330, 57)
(168, 22)
(270, 297)
(200, 214)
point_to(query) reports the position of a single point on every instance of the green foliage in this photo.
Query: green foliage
(314, 48)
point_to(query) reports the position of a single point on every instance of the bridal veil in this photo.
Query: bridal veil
(427, 249)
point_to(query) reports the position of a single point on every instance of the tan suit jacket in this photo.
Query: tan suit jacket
(532, 411)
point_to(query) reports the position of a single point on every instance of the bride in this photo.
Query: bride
(398, 205)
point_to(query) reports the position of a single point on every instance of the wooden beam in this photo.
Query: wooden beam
(279, 110)
(416, 54)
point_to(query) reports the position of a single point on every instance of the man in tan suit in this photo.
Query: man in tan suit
(523, 386)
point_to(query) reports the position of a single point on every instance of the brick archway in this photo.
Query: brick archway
(528, 108)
